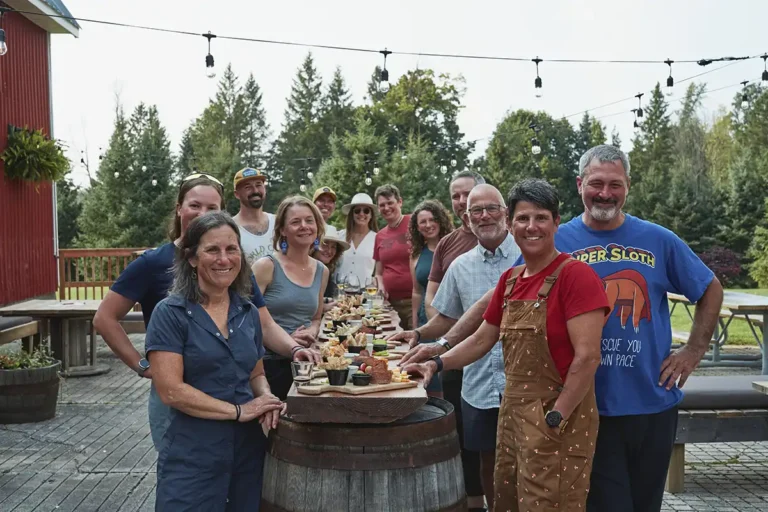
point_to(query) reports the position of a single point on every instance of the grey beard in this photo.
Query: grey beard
(603, 214)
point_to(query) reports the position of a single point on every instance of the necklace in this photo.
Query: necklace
(398, 221)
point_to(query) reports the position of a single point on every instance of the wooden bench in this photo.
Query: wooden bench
(716, 409)
(22, 328)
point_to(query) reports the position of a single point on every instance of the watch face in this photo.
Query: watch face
(143, 364)
(553, 418)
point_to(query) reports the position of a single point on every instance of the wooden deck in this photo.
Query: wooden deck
(96, 454)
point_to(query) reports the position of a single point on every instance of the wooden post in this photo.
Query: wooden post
(676, 472)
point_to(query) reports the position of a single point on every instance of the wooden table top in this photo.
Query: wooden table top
(52, 308)
(761, 386)
(735, 301)
(381, 407)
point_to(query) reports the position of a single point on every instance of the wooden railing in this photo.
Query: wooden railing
(87, 274)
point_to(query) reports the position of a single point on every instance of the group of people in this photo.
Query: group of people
(536, 332)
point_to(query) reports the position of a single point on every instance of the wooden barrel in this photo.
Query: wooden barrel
(412, 464)
(30, 395)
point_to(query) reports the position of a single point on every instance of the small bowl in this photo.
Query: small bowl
(342, 337)
(380, 348)
(361, 379)
(337, 377)
(352, 370)
(355, 350)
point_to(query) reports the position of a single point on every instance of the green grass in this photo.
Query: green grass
(738, 331)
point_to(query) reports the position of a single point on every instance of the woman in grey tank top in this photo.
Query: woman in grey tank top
(293, 283)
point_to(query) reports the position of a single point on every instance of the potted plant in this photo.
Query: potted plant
(29, 386)
(31, 156)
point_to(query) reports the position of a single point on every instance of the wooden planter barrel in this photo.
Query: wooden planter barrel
(412, 464)
(30, 395)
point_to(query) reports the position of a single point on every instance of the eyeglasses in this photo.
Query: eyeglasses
(477, 211)
(358, 211)
(202, 175)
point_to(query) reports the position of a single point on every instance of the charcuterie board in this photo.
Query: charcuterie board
(351, 389)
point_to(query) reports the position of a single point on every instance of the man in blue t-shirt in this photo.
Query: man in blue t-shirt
(637, 384)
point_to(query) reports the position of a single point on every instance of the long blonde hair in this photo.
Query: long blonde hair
(282, 213)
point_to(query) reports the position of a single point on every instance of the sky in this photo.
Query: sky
(90, 74)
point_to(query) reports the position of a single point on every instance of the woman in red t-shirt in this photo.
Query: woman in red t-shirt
(549, 317)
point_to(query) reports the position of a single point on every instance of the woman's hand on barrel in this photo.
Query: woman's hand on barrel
(259, 406)
(425, 370)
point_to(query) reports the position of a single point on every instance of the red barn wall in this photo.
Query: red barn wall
(27, 260)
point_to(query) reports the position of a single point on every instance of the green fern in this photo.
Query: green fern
(31, 156)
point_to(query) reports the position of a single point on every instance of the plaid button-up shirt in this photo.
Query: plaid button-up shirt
(469, 277)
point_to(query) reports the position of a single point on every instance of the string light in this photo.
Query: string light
(117, 174)
(444, 169)
(310, 174)
(143, 168)
(765, 67)
(635, 124)
(384, 81)
(454, 163)
(154, 182)
(210, 72)
(303, 186)
(535, 145)
(376, 170)
(670, 80)
(639, 112)
(368, 179)
(537, 81)
(3, 44)
(744, 98)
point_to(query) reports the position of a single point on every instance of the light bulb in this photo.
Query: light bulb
(368, 180)
(453, 163)
(536, 149)
(404, 157)
(744, 101)
(303, 187)
(670, 86)
(117, 174)
(210, 71)
(143, 168)
(537, 87)
(154, 183)
(384, 86)
(376, 171)
(3, 44)
(443, 169)
(310, 175)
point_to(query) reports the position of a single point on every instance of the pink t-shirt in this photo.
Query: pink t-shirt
(393, 249)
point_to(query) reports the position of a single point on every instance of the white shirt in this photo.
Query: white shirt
(358, 260)
(257, 246)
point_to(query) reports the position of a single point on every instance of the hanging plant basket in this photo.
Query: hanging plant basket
(31, 156)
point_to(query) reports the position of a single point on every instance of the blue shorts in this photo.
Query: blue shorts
(479, 428)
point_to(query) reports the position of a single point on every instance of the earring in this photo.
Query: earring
(316, 243)
(283, 245)
(194, 274)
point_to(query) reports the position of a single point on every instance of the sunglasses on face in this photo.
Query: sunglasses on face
(202, 175)
(358, 211)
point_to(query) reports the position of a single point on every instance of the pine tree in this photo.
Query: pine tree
(615, 138)
(651, 159)
(256, 131)
(758, 251)
(68, 209)
(584, 135)
(337, 109)
(186, 161)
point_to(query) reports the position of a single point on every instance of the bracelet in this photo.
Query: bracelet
(418, 335)
(237, 408)
(296, 349)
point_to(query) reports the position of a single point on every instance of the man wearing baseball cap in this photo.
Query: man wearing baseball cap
(325, 200)
(256, 226)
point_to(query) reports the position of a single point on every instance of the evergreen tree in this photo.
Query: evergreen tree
(615, 138)
(758, 251)
(744, 205)
(597, 135)
(256, 132)
(302, 143)
(186, 161)
(68, 209)
(584, 135)
(651, 159)
(337, 109)
(720, 150)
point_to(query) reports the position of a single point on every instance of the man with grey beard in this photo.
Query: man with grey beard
(468, 278)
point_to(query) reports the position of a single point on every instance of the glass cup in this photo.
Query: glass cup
(302, 372)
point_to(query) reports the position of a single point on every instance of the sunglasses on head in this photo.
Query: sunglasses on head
(358, 211)
(202, 175)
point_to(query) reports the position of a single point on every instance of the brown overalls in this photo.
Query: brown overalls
(538, 468)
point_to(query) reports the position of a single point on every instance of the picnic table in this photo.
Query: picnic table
(69, 321)
(761, 386)
(752, 308)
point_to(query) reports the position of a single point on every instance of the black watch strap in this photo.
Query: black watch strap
(438, 361)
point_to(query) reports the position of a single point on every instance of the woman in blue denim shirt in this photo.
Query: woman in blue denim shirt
(204, 343)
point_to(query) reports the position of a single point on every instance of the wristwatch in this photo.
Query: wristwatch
(143, 367)
(554, 419)
(438, 361)
(444, 343)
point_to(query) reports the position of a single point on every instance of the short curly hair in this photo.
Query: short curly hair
(442, 217)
